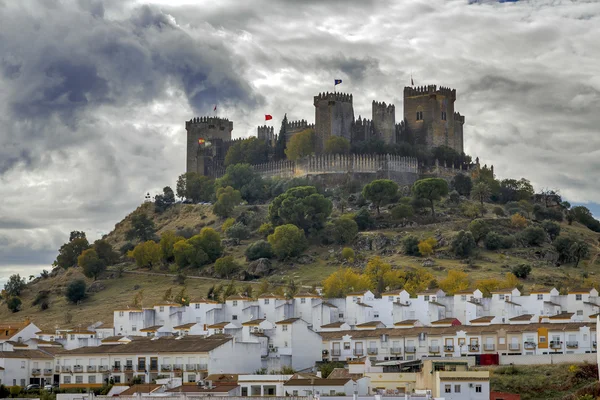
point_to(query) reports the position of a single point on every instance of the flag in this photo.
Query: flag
(337, 81)
(215, 109)
(268, 117)
(201, 141)
(412, 83)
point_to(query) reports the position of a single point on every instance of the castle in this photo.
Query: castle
(429, 120)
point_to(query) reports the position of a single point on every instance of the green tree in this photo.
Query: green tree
(551, 228)
(533, 235)
(281, 143)
(76, 291)
(167, 241)
(105, 252)
(259, 249)
(363, 219)
(463, 244)
(244, 178)
(563, 245)
(165, 200)
(288, 241)
(195, 187)
(481, 192)
(522, 271)
(348, 254)
(462, 184)
(492, 241)
(411, 246)
(402, 211)
(186, 254)
(337, 145)
(248, 151)
(226, 266)
(68, 252)
(341, 230)
(15, 285)
(238, 231)
(380, 192)
(227, 199)
(479, 228)
(301, 206)
(14, 304)
(146, 254)
(579, 249)
(209, 241)
(431, 189)
(92, 265)
(142, 228)
(301, 144)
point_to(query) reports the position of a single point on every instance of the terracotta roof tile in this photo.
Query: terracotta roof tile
(287, 321)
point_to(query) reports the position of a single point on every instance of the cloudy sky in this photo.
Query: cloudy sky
(94, 94)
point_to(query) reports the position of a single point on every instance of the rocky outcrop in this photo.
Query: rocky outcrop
(260, 268)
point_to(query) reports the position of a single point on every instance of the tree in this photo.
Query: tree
(185, 254)
(363, 219)
(142, 228)
(227, 224)
(481, 192)
(515, 190)
(348, 254)
(518, 221)
(301, 144)
(248, 151)
(259, 249)
(337, 145)
(105, 252)
(244, 178)
(402, 211)
(280, 144)
(195, 187)
(551, 228)
(579, 249)
(380, 192)
(411, 246)
(238, 231)
(227, 199)
(92, 265)
(344, 281)
(164, 200)
(226, 266)
(288, 241)
(146, 254)
(167, 241)
(455, 281)
(15, 285)
(301, 206)
(541, 213)
(68, 252)
(521, 271)
(479, 228)
(377, 271)
(76, 291)
(584, 216)
(431, 189)
(492, 241)
(533, 235)
(209, 241)
(462, 184)
(426, 246)
(487, 286)
(463, 244)
(341, 230)
(14, 304)
(563, 246)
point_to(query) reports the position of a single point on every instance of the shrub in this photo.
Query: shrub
(288, 241)
(265, 229)
(551, 228)
(14, 304)
(518, 221)
(454, 197)
(15, 391)
(471, 210)
(301, 206)
(259, 249)
(479, 229)
(238, 231)
(76, 291)
(521, 271)
(463, 244)
(498, 211)
(492, 241)
(341, 231)
(540, 213)
(227, 224)
(411, 246)
(226, 266)
(507, 241)
(4, 392)
(533, 235)
(426, 246)
(348, 254)
(363, 219)
(402, 211)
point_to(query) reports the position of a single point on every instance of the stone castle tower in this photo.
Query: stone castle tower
(215, 132)
(430, 117)
(334, 116)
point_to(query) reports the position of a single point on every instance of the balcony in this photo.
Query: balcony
(128, 368)
(78, 368)
(191, 367)
(556, 344)
(202, 367)
(410, 349)
(91, 368)
(47, 371)
(57, 369)
(372, 351)
(336, 352)
(103, 368)
(177, 367)
(489, 347)
(396, 350)
(514, 346)
(474, 347)
(529, 345)
(166, 368)
(572, 345)
(358, 352)
(65, 368)
(153, 368)
(434, 349)
(141, 368)
(449, 348)
(116, 368)
(36, 371)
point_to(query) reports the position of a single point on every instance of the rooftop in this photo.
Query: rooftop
(184, 344)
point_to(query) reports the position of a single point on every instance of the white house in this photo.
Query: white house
(263, 385)
(21, 365)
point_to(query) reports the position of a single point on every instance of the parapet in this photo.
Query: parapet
(344, 97)
(428, 90)
(381, 106)
(208, 120)
(459, 118)
(300, 124)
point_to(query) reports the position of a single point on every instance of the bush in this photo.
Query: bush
(76, 291)
(238, 231)
(363, 219)
(4, 392)
(479, 229)
(227, 224)
(402, 211)
(492, 241)
(551, 228)
(540, 213)
(15, 391)
(288, 241)
(259, 249)
(301, 206)
(507, 241)
(518, 221)
(563, 246)
(226, 266)
(454, 197)
(521, 271)
(464, 244)
(426, 246)
(533, 236)
(498, 211)
(341, 231)
(348, 254)
(411, 246)
(14, 304)
(265, 229)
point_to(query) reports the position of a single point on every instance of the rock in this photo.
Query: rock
(305, 259)
(260, 268)
(371, 241)
(428, 262)
(136, 287)
(96, 287)
(230, 242)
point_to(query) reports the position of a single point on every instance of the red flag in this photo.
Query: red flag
(268, 117)
(215, 109)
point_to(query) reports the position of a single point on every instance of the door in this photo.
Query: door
(358, 349)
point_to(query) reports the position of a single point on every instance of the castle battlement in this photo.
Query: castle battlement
(209, 121)
(459, 118)
(428, 90)
(389, 108)
(337, 96)
(300, 124)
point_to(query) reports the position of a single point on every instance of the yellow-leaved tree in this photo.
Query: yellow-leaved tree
(301, 145)
(376, 270)
(418, 280)
(344, 281)
(146, 254)
(455, 281)
(487, 286)
(426, 246)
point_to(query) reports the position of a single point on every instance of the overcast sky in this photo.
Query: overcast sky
(94, 94)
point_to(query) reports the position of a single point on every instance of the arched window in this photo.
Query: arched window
(419, 114)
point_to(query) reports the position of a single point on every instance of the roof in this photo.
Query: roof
(45, 342)
(16, 344)
(46, 333)
(580, 291)
(370, 324)
(363, 305)
(317, 382)
(168, 344)
(198, 389)
(429, 291)
(142, 388)
(540, 291)
(219, 379)
(10, 329)
(219, 325)
(153, 328)
(131, 309)
(306, 294)
(475, 302)
(326, 303)
(437, 304)
(167, 304)
(287, 321)
(203, 300)
(552, 303)
(359, 293)
(343, 373)
(482, 319)
(392, 293)
(512, 302)
(468, 291)
(502, 291)
(112, 339)
(184, 326)
(563, 315)
(407, 322)
(271, 296)
(238, 297)
(30, 354)
(444, 321)
(524, 317)
(333, 325)
(254, 322)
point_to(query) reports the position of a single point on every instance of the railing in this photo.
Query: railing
(473, 347)
(358, 352)
(177, 367)
(91, 368)
(336, 352)
(555, 344)
(47, 371)
(202, 367)
(372, 350)
(409, 349)
(165, 368)
(36, 371)
(116, 368)
(103, 368)
(489, 347)
(57, 368)
(396, 350)
(514, 346)
(153, 368)
(141, 368)
(449, 348)
(65, 368)
(530, 345)
(128, 368)
(434, 349)
(573, 345)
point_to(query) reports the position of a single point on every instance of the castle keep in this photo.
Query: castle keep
(429, 120)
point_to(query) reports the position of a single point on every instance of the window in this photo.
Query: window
(266, 301)
(22, 364)
(191, 378)
(376, 314)
(121, 313)
(355, 299)
(23, 383)
(501, 297)
(234, 317)
(67, 379)
(542, 339)
(390, 298)
(161, 309)
(477, 388)
(346, 345)
(72, 337)
(463, 297)
(332, 392)
(235, 303)
(92, 379)
(579, 312)
(284, 328)
(443, 115)
(540, 296)
(456, 388)
(294, 392)
(419, 115)
(302, 300)
(197, 306)
(447, 388)
(341, 315)
(134, 328)
(117, 379)
(426, 298)
(578, 297)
